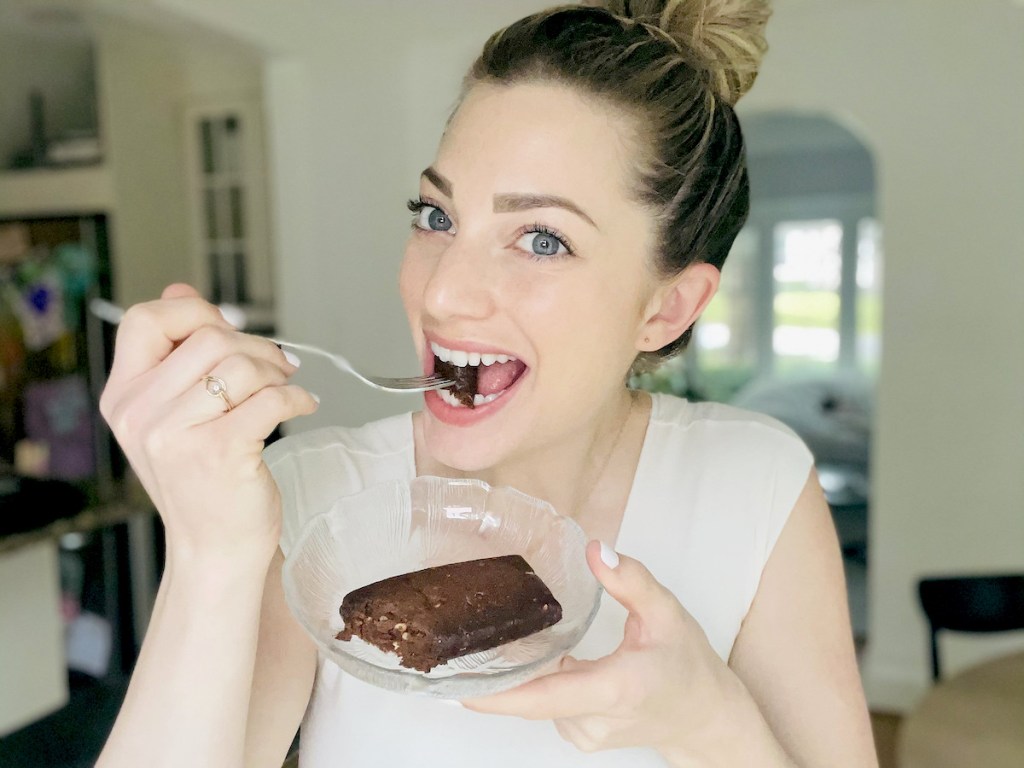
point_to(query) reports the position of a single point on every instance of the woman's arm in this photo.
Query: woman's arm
(283, 679)
(189, 693)
(190, 690)
(795, 651)
(199, 457)
(664, 688)
(790, 698)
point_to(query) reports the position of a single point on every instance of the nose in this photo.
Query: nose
(460, 284)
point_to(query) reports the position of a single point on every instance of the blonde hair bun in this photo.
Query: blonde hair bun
(726, 37)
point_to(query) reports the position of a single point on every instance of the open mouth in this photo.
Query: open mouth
(480, 378)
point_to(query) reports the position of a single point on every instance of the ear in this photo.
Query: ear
(676, 305)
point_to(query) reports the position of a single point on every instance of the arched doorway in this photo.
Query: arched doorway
(808, 283)
(795, 329)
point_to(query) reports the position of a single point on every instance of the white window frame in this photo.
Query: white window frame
(251, 177)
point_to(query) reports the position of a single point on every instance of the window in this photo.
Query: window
(231, 236)
(726, 342)
(799, 297)
(807, 272)
(869, 295)
(222, 182)
(800, 291)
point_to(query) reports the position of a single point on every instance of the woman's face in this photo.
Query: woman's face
(526, 245)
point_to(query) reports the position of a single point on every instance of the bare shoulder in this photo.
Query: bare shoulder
(795, 651)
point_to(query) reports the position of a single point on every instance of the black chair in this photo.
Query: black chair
(971, 604)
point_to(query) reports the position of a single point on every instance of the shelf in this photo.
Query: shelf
(128, 501)
(56, 191)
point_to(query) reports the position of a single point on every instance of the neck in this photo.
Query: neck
(583, 455)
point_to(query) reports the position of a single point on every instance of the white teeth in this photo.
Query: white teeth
(461, 359)
(478, 400)
(484, 399)
(449, 398)
(442, 354)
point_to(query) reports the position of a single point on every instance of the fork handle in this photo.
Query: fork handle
(337, 359)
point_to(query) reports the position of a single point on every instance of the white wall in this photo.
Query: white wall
(356, 100)
(61, 68)
(934, 90)
(148, 75)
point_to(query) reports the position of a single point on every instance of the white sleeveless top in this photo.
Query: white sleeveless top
(713, 489)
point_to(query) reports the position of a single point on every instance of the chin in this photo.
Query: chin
(463, 449)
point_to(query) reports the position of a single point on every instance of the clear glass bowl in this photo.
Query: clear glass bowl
(399, 527)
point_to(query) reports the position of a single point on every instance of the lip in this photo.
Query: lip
(464, 416)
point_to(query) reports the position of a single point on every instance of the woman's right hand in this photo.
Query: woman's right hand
(201, 464)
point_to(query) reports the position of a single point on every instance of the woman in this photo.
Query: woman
(572, 227)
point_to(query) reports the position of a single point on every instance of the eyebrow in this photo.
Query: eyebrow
(439, 181)
(510, 203)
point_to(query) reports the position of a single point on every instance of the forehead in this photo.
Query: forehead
(538, 138)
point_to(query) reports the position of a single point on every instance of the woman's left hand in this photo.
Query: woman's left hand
(664, 687)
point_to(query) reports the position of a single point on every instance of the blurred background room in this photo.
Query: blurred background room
(263, 151)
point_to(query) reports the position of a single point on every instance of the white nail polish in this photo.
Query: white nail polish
(234, 315)
(292, 358)
(608, 556)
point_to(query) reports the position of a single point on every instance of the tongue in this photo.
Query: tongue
(499, 376)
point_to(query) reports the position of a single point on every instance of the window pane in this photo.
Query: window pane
(241, 282)
(232, 144)
(224, 214)
(869, 294)
(216, 283)
(210, 209)
(206, 140)
(807, 271)
(237, 227)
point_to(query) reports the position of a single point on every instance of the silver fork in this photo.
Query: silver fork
(113, 314)
(383, 383)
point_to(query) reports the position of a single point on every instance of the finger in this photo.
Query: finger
(633, 586)
(232, 382)
(587, 734)
(179, 291)
(203, 351)
(260, 415)
(571, 731)
(579, 688)
(149, 333)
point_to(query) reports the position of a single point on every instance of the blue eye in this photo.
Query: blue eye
(543, 244)
(438, 220)
(432, 218)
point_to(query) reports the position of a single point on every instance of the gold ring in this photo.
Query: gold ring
(215, 386)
